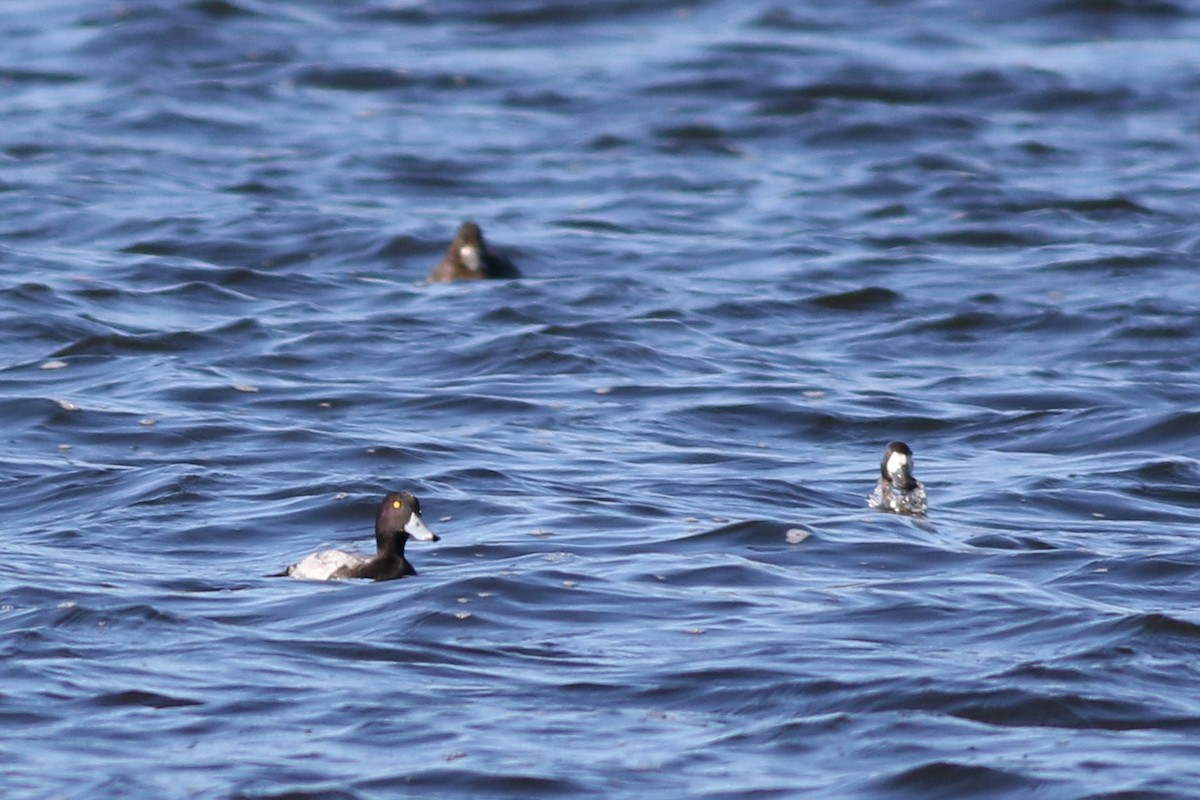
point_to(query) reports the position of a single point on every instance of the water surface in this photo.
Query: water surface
(759, 240)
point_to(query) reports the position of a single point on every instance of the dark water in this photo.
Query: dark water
(760, 240)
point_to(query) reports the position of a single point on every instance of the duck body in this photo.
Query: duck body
(399, 517)
(470, 259)
(332, 565)
(898, 491)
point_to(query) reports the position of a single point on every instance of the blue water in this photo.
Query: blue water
(759, 239)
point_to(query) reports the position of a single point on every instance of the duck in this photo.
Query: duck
(470, 259)
(399, 517)
(898, 491)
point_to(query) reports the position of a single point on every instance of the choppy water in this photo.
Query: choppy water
(760, 240)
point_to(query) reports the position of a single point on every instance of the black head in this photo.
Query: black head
(400, 517)
(896, 467)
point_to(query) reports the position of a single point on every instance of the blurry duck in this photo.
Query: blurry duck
(898, 491)
(470, 259)
(399, 517)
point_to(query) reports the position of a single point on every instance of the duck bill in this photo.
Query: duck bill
(416, 528)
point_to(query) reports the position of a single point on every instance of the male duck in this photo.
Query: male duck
(898, 491)
(399, 517)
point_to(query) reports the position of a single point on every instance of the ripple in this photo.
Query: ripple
(951, 779)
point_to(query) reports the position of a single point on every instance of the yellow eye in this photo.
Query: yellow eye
(396, 504)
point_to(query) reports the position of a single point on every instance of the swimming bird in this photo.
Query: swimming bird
(898, 491)
(470, 259)
(399, 517)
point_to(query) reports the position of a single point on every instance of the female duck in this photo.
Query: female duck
(898, 491)
(470, 259)
(399, 517)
